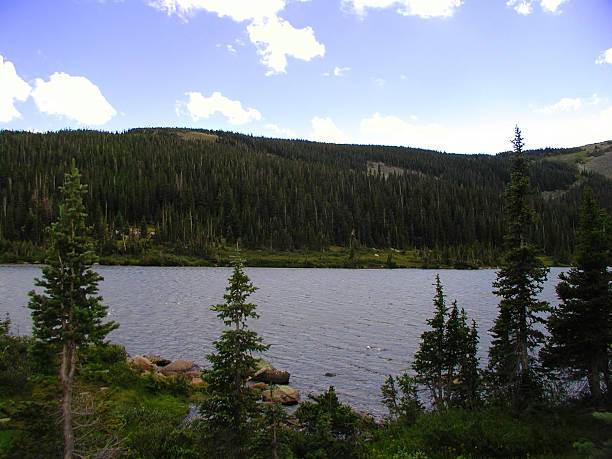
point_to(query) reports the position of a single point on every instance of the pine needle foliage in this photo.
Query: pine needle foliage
(229, 406)
(446, 362)
(580, 328)
(512, 365)
(400, 396)
(429, 361)
(70, 314)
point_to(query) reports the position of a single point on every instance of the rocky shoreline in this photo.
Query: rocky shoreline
(267, 384)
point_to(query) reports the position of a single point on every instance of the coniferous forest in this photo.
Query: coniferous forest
(543, 395)
(193, 193)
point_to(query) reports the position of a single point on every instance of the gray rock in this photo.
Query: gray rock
(271, 375)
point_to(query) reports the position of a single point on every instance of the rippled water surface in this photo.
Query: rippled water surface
(361, 325)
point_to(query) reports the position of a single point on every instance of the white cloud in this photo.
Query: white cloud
(379, 82)
(520, 6)
(576, 131)
(341, 71)
(231, 49)
(74, 97)
(391, 130)
(564, 105)
(238, 10)
(422, 8)
(525, 7)
(12, 88)
(606, 119)
(283, 132)
(478, 135)
(203, 107)
(605, 57)
(552, 6)
(596, 100)
(276, 39)
(325, 130)
(568, 104)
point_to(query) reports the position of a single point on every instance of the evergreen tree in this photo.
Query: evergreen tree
(70, 314)
(461, 346)
(581, 326)
(400, 396)
(229, 405)
(332, 428)
(430, 360)
(519, 281)
(446, 361)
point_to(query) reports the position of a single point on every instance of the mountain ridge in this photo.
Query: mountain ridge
(190, 192)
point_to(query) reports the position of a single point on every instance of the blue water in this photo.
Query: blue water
(361, 325)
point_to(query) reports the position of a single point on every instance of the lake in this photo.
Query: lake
(361, 325)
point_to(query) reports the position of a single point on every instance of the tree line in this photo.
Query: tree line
(190, 191)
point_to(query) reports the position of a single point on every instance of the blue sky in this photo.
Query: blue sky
(450, 75)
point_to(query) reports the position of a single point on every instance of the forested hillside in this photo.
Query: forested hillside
(191, 192)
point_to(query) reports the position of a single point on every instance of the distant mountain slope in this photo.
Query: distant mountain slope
(595, 157)
(599, 158)
(192, 190)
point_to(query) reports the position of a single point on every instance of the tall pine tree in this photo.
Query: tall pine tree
(229, 405)
(429, 361)
(512, 365)
(70, 314)
(580, 327)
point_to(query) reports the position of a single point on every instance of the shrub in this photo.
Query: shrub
(159, 434)
(487, 432)
(331, 428)
(15, 364)
(105, 354)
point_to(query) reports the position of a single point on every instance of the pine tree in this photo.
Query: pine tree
(70, 314)
(229, 405)
(429, 361)
(461, 346)
(446, 361)
(519, 281)
(400, 396)
(580, 327)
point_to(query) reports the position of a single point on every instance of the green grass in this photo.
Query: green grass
(570, 159)
(552, 433)
(594, 158)
(6, 439)
(332, 257)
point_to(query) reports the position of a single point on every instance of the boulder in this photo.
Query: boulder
(261, 364)
(178, 366)
(284, 395)
(193, 374)
(157, 360)
(142, 363)
(329, 375)
(271, 375)
(258, 386)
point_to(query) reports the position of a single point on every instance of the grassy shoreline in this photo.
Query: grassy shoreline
(332, 257)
